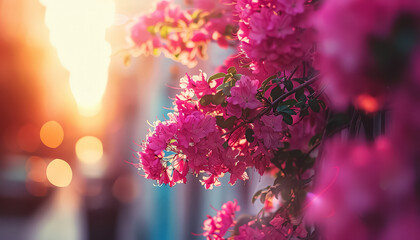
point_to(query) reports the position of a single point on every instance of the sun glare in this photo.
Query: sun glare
(77, 30)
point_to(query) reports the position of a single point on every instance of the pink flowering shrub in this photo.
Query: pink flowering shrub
(342, 151)
(219, 125)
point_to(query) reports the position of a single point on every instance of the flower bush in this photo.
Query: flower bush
(323, 93)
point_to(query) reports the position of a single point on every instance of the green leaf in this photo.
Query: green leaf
(225, 145)
(237, 76)
(300, 95)
(216, 76)
(288, 85)
(227, 77)
(256, 195)
(263, 196)
(316, 138)
(313, 104)
(266, 81)
(232, 70)
(276, 80)
(226, 90)
(282, 107)
(289, 102)
(221, 86)
(249, 134)
(286, 109)
(225, 87)
(218, 98)
(220, 120)
(287, 118)
(228, 83)
(206, 100)
(228, 123)
(276, 93)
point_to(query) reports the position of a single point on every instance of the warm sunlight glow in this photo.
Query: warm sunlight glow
(59, 173)
(89, 149)
(77, 30)
(52, 134)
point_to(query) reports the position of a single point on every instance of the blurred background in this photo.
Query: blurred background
(74, 109)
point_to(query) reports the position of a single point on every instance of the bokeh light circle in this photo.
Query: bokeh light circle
(89, 149)
(52, 134)
(59, 173)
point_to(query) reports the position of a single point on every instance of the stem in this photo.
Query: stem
(303, 85)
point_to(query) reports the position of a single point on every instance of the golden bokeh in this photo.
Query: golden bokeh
(89, 149)
(59, 173)
(52, 134)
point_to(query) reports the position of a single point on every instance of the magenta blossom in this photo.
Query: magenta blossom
(244, 93)
(217, 226)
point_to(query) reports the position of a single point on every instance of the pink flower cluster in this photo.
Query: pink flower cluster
(195, 139)
(216, 227)
(278, 228)
(243, 96)
(276, 35)
(182, 35)
(366, 48)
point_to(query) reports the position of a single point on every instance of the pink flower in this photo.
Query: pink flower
(275, 35)
(248, 233)
(217, 226)
(293, 7)
(269, 131)
(151, 165)
(234, 110)
(197, 83)
(264, 24)
(194, 127)
(238, 172)
(303, 130)
(244, 93)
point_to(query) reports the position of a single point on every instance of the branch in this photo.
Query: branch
(303, 85)
(268, 109)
